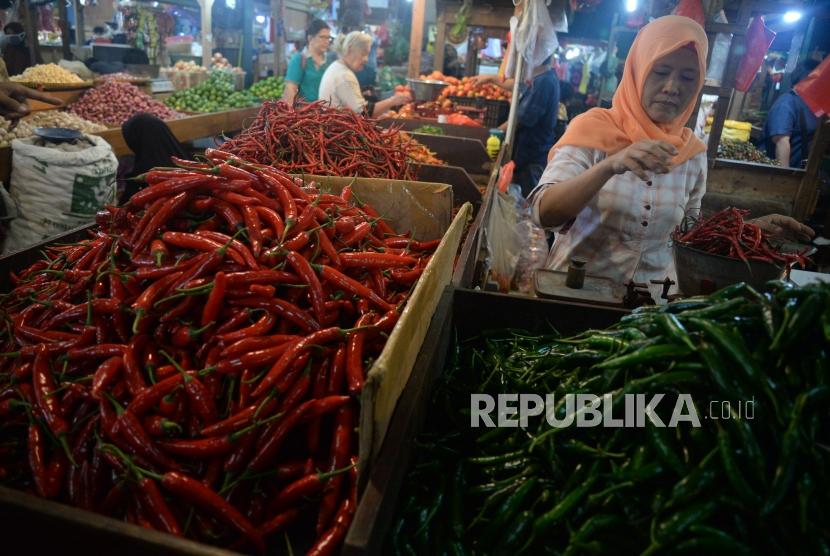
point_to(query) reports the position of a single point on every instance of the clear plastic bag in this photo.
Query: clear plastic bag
(533, 255)
(720, 54)
(504, 243)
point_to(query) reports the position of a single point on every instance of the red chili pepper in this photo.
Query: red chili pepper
(157, 508)
(294, 350)
(152, 395)
(246, 345)
(303, 269)
(355, 340)
(340, 280)
(282, 309)
(196, 493)
(273, 218)
(37, 459)
(44, 389)
(369, 259)
(260, 327)
(129, 428)
(253, 226)
(304, 412)
(238, 246)
(171, 187)
(337, 374)
(199, 243)
(95, 352)
(330, 541)
(360, 233)
(251, 360)
(156, 425)
(279, 522)
(215, 299)
(167, 211)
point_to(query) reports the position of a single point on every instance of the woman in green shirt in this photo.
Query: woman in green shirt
(306, 68)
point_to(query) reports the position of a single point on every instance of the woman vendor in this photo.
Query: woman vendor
(620, 180)
(339, 85)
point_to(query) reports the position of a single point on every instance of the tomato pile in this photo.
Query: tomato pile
(465, 87)
(195, 365)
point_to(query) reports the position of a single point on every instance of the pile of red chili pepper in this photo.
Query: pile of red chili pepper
(193, 367)
(318, 139)
(727, 233)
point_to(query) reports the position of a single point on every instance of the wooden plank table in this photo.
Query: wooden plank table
(185, 129)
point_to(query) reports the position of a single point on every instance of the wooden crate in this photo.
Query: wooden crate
(424, 208)
(460, 313)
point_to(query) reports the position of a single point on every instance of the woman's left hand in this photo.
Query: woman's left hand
(784, 227)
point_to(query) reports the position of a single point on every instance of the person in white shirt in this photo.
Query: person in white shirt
(620, 180)
(339, 85)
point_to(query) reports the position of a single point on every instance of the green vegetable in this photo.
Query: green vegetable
(754, 478)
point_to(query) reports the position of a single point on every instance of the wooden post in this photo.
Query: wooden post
(64, 23)
(246, 50)
(80, 32)
(278, 16)
(440, 41)
(31, 31)
(416, 37)
(206, 6)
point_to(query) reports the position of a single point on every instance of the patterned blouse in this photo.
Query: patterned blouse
(624, 231)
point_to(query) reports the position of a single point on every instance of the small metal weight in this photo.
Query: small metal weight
(576, 274)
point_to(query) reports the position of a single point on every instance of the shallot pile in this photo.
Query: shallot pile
(115, 102)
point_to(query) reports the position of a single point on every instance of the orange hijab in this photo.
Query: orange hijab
(626, 122)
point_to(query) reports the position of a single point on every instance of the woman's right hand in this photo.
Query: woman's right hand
(401, 98)
(642, 158)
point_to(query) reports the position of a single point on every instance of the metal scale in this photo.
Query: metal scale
(576, 285)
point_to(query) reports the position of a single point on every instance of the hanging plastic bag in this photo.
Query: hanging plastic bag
(504, 244)
(534, 38)
(813, 89)
(692, 9)
(758, 41)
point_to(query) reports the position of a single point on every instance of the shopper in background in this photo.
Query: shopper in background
(536, 118)
(306, 68)
(339, 85)
(367, 77)
(790, 124)
(15, 51)
(152, 143)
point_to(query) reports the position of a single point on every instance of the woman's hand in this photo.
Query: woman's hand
(784, 227)
(401, 98)
(477, 80)
(13, 99)
(642, 158)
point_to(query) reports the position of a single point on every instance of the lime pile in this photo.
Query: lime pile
(268, 89)
(214, 95)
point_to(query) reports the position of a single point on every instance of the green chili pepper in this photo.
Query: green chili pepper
(645, 356)
(516, 532)
(589, 529)
(661, 443)
(457, 501)
(733, 473)
(544, 522)
(676, 524)
(674, 329)
(508, 509)
(696, 482)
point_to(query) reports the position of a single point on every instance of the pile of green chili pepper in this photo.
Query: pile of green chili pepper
(738, 484)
